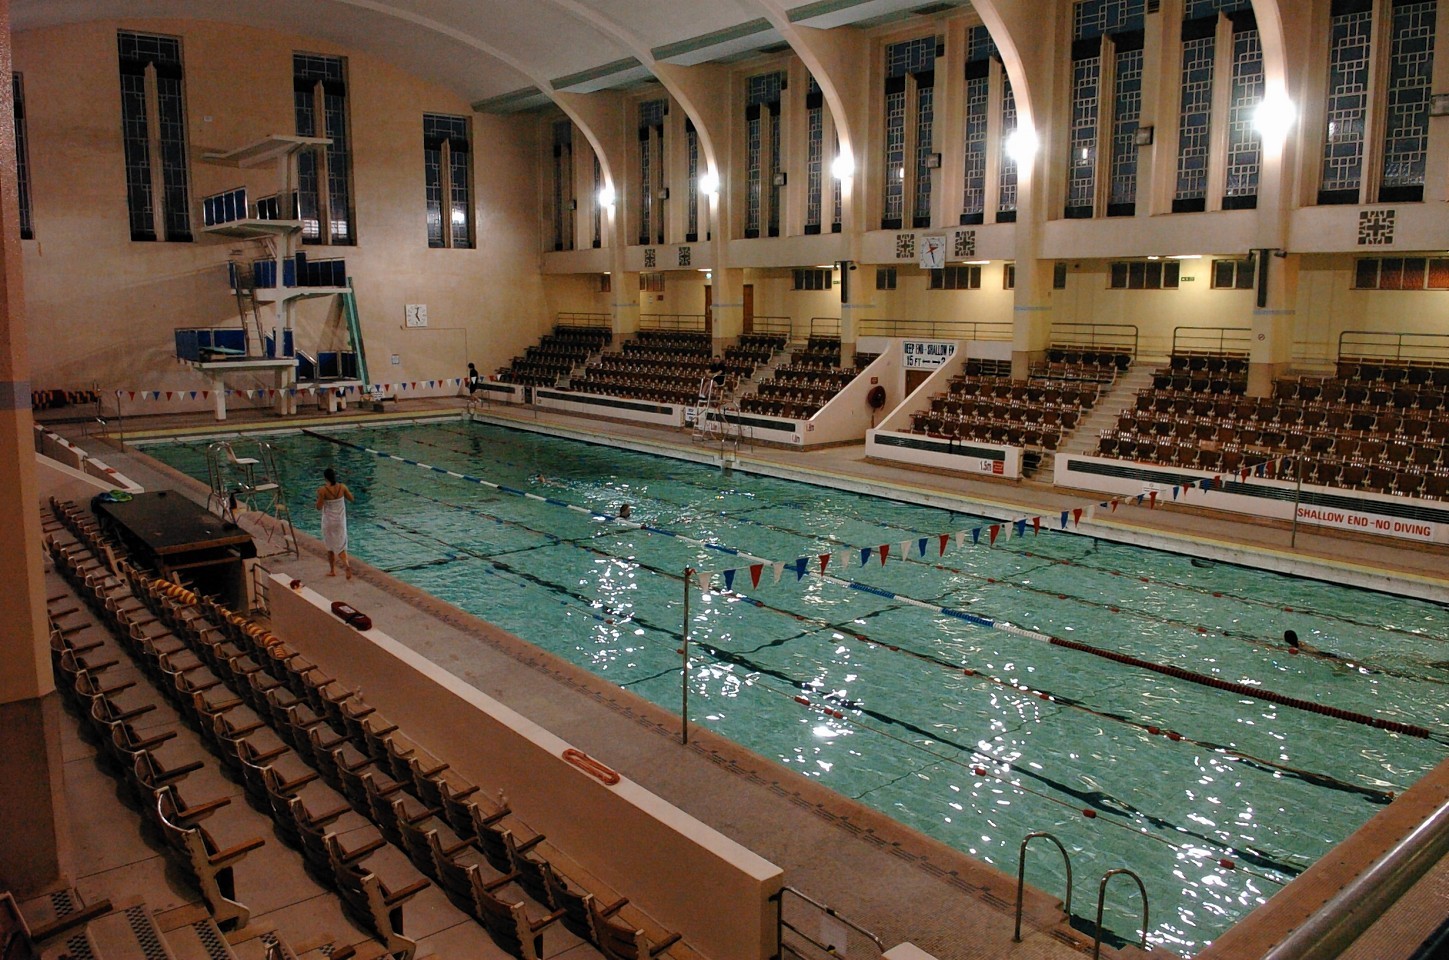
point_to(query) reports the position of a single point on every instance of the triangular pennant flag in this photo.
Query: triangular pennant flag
(976, 536)
(1140, 498)
(1036, 525)
(995, 529)
(729, 579)
(168, 394)
(704, 579)
(1174, 492)
(905, 549)
(755, 570)
(961, 537)
(824, 563)
(943, 538)
(1218, 481)
(1259, 469)
(1243, 474)
(1114, 505)
(1152, 499)
(1077, 516)
(132, 393)
(155, 394)
(800, 563)
(885, 551)
(864, 555)
(1020, 526)
(921, 545)
(1205, 483)
(778, 568)
(206, 394)
(1064, 519)
(193, 394)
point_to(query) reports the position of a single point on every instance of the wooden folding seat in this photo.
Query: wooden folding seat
(1426, 456)
(1353, 476)
(1327, 472)
(1370, 448)
(1380, 479)
(210, 867)
(1409, 483)
(1398, 452)
(618, 940)
(1394, 373)
(370, 901)
(1431, 400)
(508, 923)
(1436, 484)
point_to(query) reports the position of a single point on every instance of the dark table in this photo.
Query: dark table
(177, 537)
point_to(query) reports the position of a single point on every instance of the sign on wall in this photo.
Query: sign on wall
(927, 354)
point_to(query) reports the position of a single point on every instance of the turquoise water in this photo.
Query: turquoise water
(942, 723)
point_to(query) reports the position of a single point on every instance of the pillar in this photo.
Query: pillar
(32, 803)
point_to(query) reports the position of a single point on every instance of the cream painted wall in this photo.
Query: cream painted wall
(101, 308)
(1328, 305)
(574, 293)
(683, 294)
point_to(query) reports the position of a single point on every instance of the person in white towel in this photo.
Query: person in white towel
(332, 499)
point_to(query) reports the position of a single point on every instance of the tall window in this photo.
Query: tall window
(598, 208)
(324, 179)
(1356, 96)
(814, 156)
(979, 51)
(563, 185)
(762, 154)
(1107, 57)
(691, 149)
(1219, 40)
(1007, 180)
(446, 171)
(22, 158)
(153, 121)
(909, 147)
(651, 170)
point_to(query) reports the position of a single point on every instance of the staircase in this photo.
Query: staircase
(1083, 440)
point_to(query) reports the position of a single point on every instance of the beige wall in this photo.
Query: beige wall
(102, 308)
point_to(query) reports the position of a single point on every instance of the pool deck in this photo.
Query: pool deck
(902, 885)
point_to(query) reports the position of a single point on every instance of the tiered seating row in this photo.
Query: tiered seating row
(310, 753)
(808, 382)
(555, 356)
(1018, 413)
(753, 349)
(658, 365)
(1075, 363)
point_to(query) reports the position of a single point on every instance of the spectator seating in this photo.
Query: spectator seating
(555, 356)
(309, 752)
(808, 382)
(1066, 362)
(1375, 435)
(753, 349)
(662, 366)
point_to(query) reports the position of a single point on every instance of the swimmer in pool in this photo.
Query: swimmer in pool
(624, 512)
(1295, 645)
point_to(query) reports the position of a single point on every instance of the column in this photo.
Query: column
(34, 857)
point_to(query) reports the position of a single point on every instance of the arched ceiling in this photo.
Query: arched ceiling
(505, 54)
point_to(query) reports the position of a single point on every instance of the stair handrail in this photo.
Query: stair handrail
(1101, 903)
(1021, 876)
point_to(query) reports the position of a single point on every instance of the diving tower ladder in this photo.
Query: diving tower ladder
(244, 480)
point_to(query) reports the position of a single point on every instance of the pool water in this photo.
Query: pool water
(972, 735)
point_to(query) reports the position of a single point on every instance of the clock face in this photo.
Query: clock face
(417, 314)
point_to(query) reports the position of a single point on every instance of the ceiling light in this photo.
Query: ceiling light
(709, 183)
(1274, 117)
(1186, 256)
(977, 263)
(843, 166)
(606, 196)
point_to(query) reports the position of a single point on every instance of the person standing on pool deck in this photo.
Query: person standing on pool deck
(332, 500)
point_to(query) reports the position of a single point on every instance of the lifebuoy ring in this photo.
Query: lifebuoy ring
(876, 397)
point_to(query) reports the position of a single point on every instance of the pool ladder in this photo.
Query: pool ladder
(1101, 890)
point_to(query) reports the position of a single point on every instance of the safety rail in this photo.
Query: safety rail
(1212, 340)
(1102, 901)
(571, 319)
(780, 325)
(672, 321)
(1421, 348)
(952, 329)
(1021, 877)
(1122, 337)
(832, 926)
(225, 207)
(824, 326)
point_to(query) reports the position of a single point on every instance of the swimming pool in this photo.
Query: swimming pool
(972, 735)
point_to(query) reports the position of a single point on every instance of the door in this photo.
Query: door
(709, 309)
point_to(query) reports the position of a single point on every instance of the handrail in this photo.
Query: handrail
(1021, 876)
(769, 324)
(782, 924)
(1363, 899)
(1102, 900)
(954, 329)
(1240, 344)
(684, 322)
(825, 326)
(1435, 350)
(571, 319)
(1113, 335)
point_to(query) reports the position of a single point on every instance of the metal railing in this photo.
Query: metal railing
(1221, 340)
(767, 324)
(824, 327)
(1121, 337)
(1102, 901)
(569, 319)
(948, 329)
(1021, 876)
(1425, 348)
(835, 932)
(689, 322)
